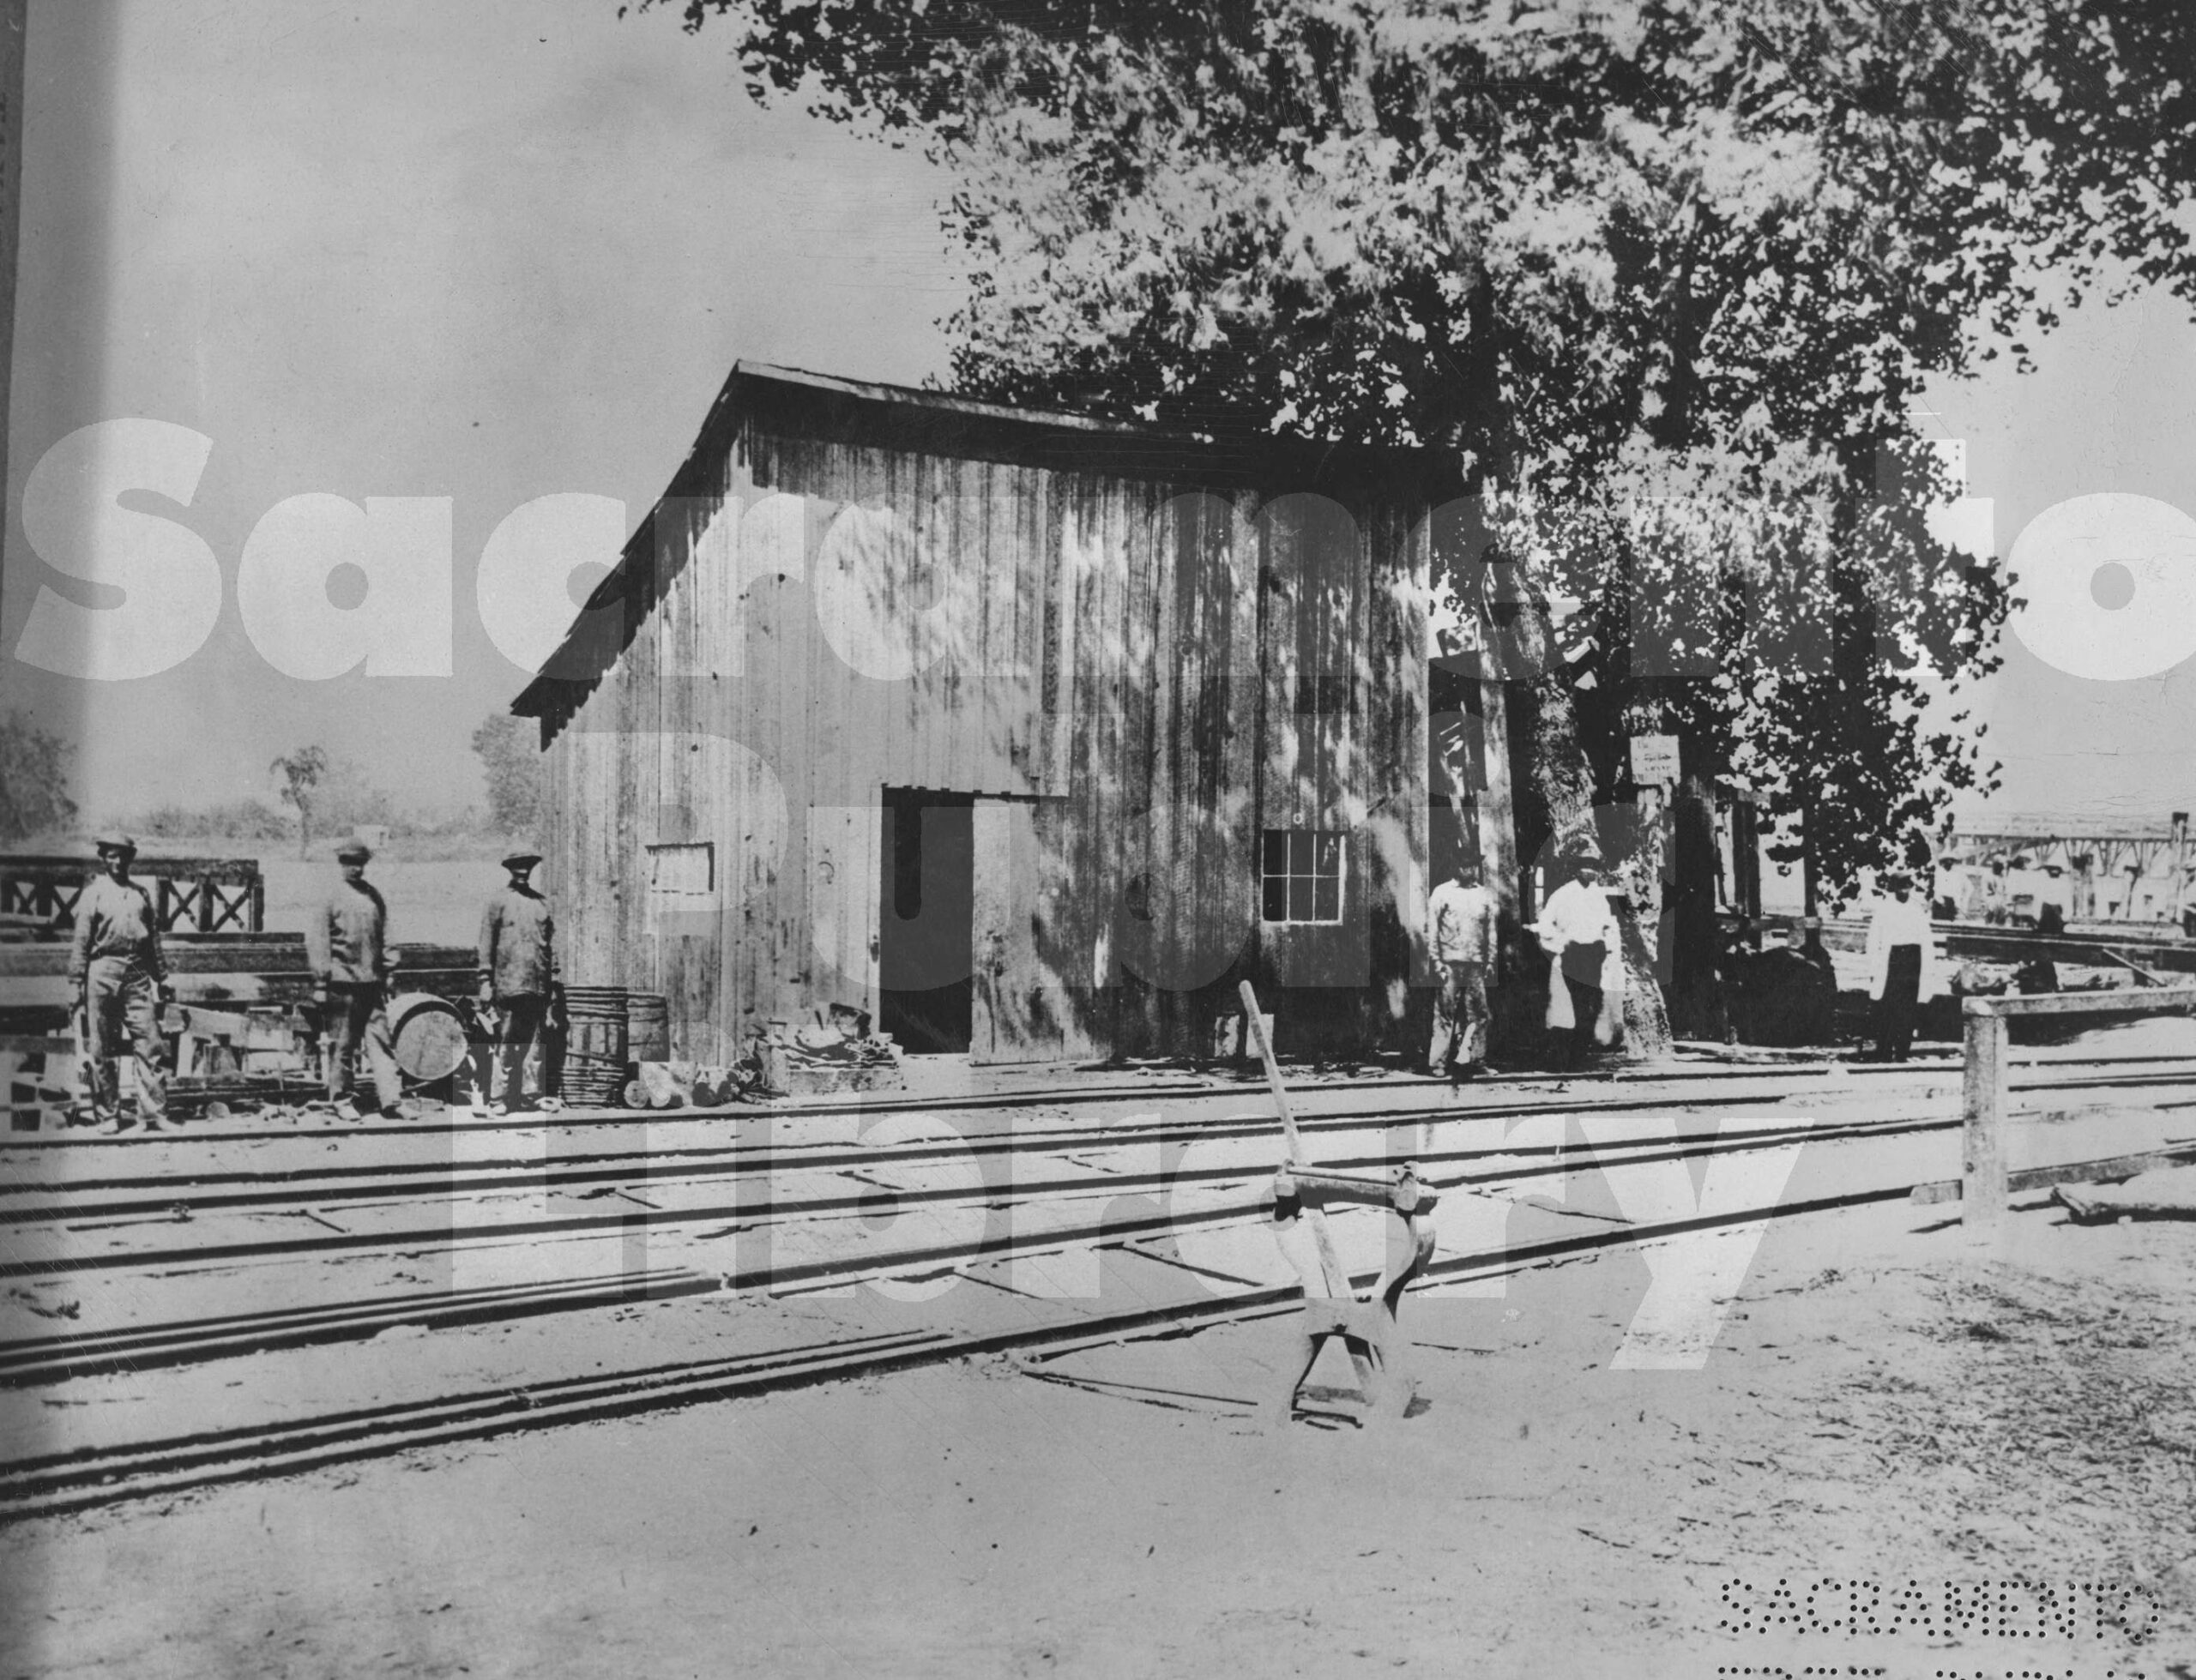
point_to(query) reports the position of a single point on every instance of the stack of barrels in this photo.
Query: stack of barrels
(647, 1027)
(611, 1029)
(595, 1055)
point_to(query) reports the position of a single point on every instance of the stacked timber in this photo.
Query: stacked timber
(685, 1085)
(828, 1056)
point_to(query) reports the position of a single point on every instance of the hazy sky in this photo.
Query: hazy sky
(501, 249)
(488, 250)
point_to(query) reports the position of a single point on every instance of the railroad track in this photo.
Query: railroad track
(56, 1483)
(38, 1361)
(1687, 1072)
(197, 1191)
(442, 1227)
(61, 1482)
(31, 1361)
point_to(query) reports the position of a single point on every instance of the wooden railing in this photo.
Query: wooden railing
(1985, 1184)
(192, 895)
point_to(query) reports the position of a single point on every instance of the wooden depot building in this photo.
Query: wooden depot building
(1029, 734)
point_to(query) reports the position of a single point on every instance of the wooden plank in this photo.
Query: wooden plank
(1983, 1193)
(1255, 1025)
(2165, 1000)
(2064, 1172)
(224, 954)
(2146, 976)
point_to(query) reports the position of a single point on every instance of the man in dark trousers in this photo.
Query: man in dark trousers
(518, 973)
(120, 980)
(347, 940)
(1578, 928)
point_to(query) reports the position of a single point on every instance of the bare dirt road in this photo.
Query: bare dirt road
(1883, 1404)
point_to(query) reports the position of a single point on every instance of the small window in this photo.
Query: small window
(1301, 871)
(688, 870)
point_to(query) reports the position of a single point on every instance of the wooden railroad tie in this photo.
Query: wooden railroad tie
(1367, 1323)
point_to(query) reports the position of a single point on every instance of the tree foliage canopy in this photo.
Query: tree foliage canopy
(1622, 257)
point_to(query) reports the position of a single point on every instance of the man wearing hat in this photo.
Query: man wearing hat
(120, 981)
(1460, 929)
(347, 939)
(518, 971)
(1578, 928)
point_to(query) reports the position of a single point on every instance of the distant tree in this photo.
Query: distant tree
(512, 765)
(230, 820)
(301, 773)
(33, 770)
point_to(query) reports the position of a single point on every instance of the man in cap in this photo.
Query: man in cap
(1578, 928)
(347, 940)
(518, 971)
(120, 981)
(1460, 928)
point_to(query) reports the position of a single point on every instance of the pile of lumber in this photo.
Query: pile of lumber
(829, 1055)
(685, 1085)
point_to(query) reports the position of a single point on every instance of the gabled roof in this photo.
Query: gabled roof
(1236, 452)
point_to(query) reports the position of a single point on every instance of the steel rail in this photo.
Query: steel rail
(1060, 1096)
(88, 1478)
(766, 1209)
(199, 1191)
(35, 1362)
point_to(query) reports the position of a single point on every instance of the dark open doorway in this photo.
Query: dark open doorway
(927, 921)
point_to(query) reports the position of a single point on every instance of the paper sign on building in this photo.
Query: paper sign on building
(1654, 760)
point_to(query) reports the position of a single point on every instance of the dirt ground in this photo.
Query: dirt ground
(1884, 1404)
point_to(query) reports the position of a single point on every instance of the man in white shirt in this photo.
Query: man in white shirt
(1460, 928)
(1578, 928)
(1900, 971)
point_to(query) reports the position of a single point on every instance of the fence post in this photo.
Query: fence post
(1982, 1187)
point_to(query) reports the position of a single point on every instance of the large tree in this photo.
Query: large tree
(1620, 257)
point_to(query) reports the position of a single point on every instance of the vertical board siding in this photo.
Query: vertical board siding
(1135, 676)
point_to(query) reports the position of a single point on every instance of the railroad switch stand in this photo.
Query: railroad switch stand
(1367, 1323)
(1332, 1306)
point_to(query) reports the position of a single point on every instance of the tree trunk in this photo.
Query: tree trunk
(1809, 876)
(1695, 933)
(1565, 782)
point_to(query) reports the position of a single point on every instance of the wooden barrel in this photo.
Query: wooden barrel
(595, 1058)
(429, 1036)
(647, 1027)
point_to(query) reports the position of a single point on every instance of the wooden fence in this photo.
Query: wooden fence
(1985, 1184)
(192, 895)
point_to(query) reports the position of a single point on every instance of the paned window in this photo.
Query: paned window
(1301, 876)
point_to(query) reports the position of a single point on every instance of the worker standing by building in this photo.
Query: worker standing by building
(1578, 929)
(120, 980)
(1460, 928)
(346, 938)
(1902, 968)
(518, 974)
